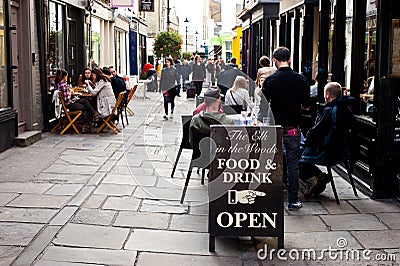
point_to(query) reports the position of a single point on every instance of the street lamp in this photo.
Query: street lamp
(196, 33)
(186, 23)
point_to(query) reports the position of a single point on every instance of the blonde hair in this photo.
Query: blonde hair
(240, 83)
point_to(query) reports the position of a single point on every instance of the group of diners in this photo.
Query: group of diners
(103, 83)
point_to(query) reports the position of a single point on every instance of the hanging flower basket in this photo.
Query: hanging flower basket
(168, 43)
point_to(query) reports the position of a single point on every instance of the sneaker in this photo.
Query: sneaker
(165, 117)
(295, 205)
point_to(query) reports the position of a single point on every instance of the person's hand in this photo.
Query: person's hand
(244, 196)
(259, 92)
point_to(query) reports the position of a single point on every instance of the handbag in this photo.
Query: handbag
(238, 108)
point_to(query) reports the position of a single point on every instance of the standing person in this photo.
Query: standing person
(105, 95)
(74, 104)
(233, 62)
(199, 74)
(288, 92)
(186, 70)
(265, 71)
(178, 74)
(211, 71)
(167, 85)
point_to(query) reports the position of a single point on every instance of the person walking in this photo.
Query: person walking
(265, 71)
(288, 92)
(178, 74)
(211, 71)
(167, 85)
(199, 74)
(186, 70)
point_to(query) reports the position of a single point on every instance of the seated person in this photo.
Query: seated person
(203, 107)
(117, 83)
(201, 123)
(238, 95)
(85, 78)
(331, 125)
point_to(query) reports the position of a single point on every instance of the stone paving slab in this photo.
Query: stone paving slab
(134, 180)
(8, 254)
(316, 240)
(26, 215)
(28, 187)
(343, 208)
(179, 243)
(125, 170)
(122, 203)
(39, 201)
(58, 263)
(17, 234)
(171, 194)
(86, 255)
(304, 224)
(353, 222)
(142, 220)
(178, 183)
(94, 201)
(309, 208)
(390, 219)
(151, 259)
(62, 178)
(198, 208)
(114, 190)
(64, 215)
(388, 239)
(64, 189)
(91, 236)
(63, 168)
(189, 223)
(94, 216)
(7, 197)
(375, 206)
(163, 206)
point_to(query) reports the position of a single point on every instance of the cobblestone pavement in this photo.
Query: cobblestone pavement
(108, 200)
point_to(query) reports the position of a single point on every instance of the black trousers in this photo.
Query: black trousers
(169, 99)
(199, 86)
(84, 105)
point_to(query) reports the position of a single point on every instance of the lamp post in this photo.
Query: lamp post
(196, 33)
(168, 12)
(186, 23)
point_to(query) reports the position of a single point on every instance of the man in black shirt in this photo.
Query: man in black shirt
(288, 92)
(118, 83)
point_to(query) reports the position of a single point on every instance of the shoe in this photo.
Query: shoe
(295, 205)
(165, 117)
(85, 129)
(320, 186)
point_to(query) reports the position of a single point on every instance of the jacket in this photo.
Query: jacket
(118, 85)
(167, 80)
(202, 122)
(105, 97)
(199, 72)
(330, 129)
(185, 71)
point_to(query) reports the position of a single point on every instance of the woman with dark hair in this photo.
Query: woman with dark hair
(74, 104)
(105, 95)
(84, 77)
(199, 74)
(167, 85)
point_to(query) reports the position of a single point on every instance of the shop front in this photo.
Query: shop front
(259, 33)
(8, 115)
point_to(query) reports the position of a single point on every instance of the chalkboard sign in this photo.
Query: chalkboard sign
(246, 182)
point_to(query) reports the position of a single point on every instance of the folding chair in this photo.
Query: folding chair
(69, 118)
(200, 158)
(130, 96)
(107, 121)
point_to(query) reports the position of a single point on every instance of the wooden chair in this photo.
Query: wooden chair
(69, 119)
(130, 96)
(107, 121)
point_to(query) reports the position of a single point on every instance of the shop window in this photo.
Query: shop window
(118, 51)
(3, 61)
(56, 39)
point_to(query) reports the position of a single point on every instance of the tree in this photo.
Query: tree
(168, 43)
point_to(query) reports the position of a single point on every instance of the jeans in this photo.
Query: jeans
(84, 105)
(169, 99)
(291, 145)
(199, 87)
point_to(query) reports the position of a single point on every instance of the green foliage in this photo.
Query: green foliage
(186, 55)
(168, 43)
